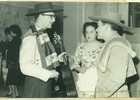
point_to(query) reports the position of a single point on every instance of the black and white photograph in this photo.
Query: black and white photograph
(69, 49)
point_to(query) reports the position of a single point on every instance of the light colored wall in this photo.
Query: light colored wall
(72, 26)
(78, 14)
(124, 11)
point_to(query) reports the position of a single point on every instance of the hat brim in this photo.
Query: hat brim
(43, 11)
(96, 18)
(128, 31)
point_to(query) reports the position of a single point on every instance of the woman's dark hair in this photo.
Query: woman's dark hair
(7, 31)
(16, 30)
(94, 24)
(86, 24)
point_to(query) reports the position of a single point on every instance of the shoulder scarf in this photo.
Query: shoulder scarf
(102, 59)
(49, 58)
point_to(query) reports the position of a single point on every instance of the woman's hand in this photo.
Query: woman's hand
(82, 70)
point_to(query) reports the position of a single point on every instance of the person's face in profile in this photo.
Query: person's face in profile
(90, 33)
(100, 30)
(9, 37)
(47, 19)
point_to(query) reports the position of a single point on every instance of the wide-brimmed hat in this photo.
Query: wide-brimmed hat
(110, 17)
(42, 8)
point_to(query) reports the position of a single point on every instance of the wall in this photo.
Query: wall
(78, 14)
(72, 25)
(13, 15)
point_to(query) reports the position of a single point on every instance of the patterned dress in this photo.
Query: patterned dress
(86, 81)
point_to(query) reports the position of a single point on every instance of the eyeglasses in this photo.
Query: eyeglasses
(51, 16)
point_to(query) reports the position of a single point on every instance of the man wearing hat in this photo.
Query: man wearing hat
(38, 57)
(114, 63)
